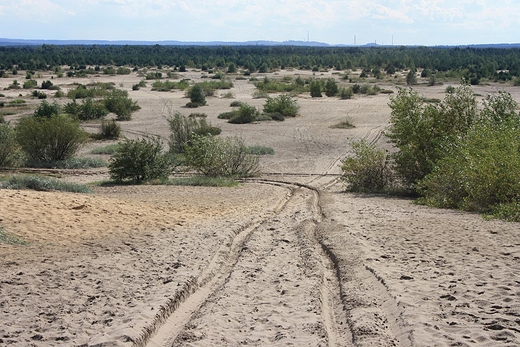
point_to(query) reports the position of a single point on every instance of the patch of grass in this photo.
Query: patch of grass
(227, 115)
(108, 149)
(74, 163)
(203, 181)
(10, 239)
(41, 183)
(345, 124)
(260, 150)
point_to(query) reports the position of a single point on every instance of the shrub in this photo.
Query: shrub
(367, 171)
(108, 149)
(91, 109)
(119, 103)
(346, 93)
(41, 183)
(198, 115)
(72, 163)
(140, 160)
(228, 115)
(260, 150)
(283, 104)
(246, 114)
(8, 146)
(331, 87)
(47, 85)
(260, 94)
(46, 110)
(196, 95)
(50, 139)
(110, 129)
(182, 128)
(228, 157)
(235, 103)
(29, 84)
(315, 89)
(39, 95)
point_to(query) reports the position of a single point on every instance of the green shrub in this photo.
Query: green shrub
(345, 124)
(29, 84)
(260, 150)
(108, 149)
(227, 157)
(182, 128)
(72, 163)
(41, 183)
(346, 93)
(119, 103)
(91, 109)
(8, 146)
(196, 95)
(198, 115)
(235, 103)
(140, 160)
(228, 115)
(368, 170)
(46, 84)
(331, 87)
(110, 129)
(246, 114)
(315, 89)
(46, 110)
(39, 95)
(203, 181)
(283, 104)
(50, 139)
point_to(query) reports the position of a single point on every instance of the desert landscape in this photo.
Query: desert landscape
(287, 258)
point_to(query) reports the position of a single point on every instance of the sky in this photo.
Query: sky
(398, 22)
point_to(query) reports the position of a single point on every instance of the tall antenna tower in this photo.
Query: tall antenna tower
(354, 40)
(392, 40)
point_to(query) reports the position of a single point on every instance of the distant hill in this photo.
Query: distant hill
(29, 42)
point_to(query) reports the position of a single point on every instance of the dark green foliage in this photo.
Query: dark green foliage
(41, 183)
(228, 115)
(140, 160)
(110, 129)
(214, 157)
(346, 93)
(236, 103)
(47, 85)
(197, 96)
(331, 87)
(411, 77)
(315, 89)
(8, 146)
(39, 95)
(283, 104)
(245, 114)
(367, 171)
(260, 150)
(29, 84)
(182, 129)
(119, 103)
(48, 139)
(164, 86)
(232, 68)
(92, 91)
(47, 110)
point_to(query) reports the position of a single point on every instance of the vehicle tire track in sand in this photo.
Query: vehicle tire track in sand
(273, 270)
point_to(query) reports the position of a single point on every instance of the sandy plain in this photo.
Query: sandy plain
(284, 259)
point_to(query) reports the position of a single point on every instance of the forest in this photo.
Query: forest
(498, 64)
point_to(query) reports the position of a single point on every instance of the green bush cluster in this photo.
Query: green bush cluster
(245, 114)
(140, 160)
(215, 157)
(268, 85)
(41, 183)
(89, 109)
(283, 104)
(183, 128)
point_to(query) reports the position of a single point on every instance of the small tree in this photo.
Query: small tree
(182, 129)
(119, 103)
(315, 89)
(411, 77)
(140, 160)
(197, 96)
(46, 110)
(55, 138)
(245, 114)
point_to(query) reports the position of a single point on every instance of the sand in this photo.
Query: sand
(284, 259)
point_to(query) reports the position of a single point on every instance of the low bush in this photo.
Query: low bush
(182, 129)
(367, 170)
(140, 160)
(203, 181)
(46, 110)
(30, 84)
(345, 124)
(235, 103)
(50, 139)
(226, 157)
(8, 146)
(41, 183)
(245, 114)
(260, 150)
(119, 103)
(346, 93)
(110, 129)
(198, 115)
(228, 115)
(283, 104)
(108, 149)
(72, 163)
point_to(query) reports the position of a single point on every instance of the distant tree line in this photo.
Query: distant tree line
(491, 63)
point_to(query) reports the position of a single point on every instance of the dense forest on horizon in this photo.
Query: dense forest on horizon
(491, 63)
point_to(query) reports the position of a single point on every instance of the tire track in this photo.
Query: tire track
(288, 237)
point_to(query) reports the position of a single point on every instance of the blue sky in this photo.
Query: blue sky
(422, 22)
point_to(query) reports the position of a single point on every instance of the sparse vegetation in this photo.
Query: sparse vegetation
(42, 183)
(283, 104)
(182, 129)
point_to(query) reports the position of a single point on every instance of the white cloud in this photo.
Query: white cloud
(42, 11)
